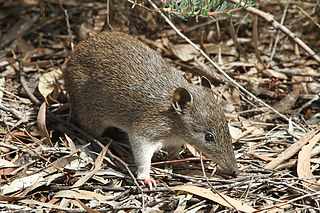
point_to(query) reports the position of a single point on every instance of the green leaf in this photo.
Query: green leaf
(202, 8)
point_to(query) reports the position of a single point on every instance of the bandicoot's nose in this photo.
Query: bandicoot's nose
(234, 171)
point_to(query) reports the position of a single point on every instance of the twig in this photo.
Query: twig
(209, 22)
(301, 197)
(235, 39)
(108, 14)
(315, 98)
(248, 188)
(212, 188)
(291, 73)
(256, 43)
(68, 23)
(216, 66)
(5, 121)
(69, 29)
(24, 84)
(308, 16)
(21, 100)
(278, 34)
(14, 112)
(269, 18)
(178, 161)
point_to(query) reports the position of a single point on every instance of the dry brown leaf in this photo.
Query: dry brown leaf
(240, 64)
(22, 184)
(18, 28)
(315, 160)
(285, 104)
(42, 204)
(221, 199)
(61, 163)
(71, 145)
(56, 91)
(263, 157)
(251, 130)
(96, 168)
(236, 97)
(42, 63)
(184, 52)
(100, 19)
(24, 46)
(85, 30)
(10, 198)
(257, 131)
(289, 152)
(220, 48)
(288, 101)
(41, 121)
(234, 132)
(261, 91)
(82, 194)
(245, 133)
(21, 134)
(151, 42)
(193, 151)
(47, 82)
(7, 167)
(233, 98)
(304, 166)
(272, 73)
(87, 208)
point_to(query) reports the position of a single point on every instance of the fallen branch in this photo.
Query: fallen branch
(269, 18)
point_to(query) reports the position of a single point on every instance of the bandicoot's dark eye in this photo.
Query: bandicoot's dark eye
(209, 137)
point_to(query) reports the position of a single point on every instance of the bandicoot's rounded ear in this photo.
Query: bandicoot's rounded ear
(181, 97)
(205, 82)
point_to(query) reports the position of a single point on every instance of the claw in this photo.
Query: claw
(150, 182)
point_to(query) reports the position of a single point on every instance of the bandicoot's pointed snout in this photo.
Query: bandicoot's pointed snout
(233, 171)
(230, 167)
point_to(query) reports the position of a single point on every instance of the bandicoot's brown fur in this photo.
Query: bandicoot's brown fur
(114, 80)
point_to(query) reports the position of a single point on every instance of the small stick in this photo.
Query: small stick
(313, 20)
(269, 18)
(68, 23)
(108, 15)
(212, 188)
(24, 84)
(278, 34)
(256, 43)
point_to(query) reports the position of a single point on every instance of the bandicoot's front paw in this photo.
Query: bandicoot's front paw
(147, 180)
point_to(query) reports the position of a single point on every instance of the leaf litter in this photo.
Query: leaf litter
(47, 162)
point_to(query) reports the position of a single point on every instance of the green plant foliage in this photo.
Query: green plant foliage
(202, 8)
